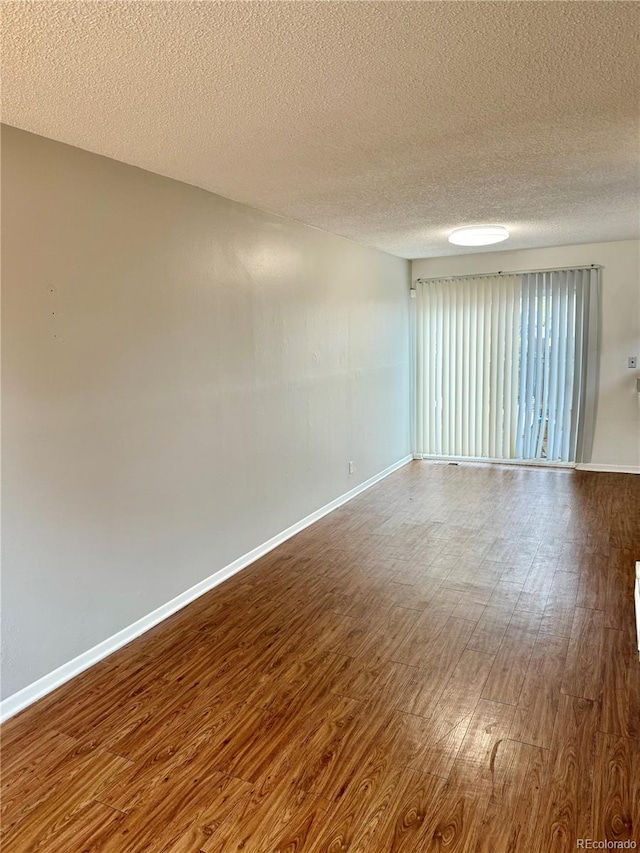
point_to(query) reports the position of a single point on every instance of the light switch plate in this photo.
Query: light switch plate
(633, 361)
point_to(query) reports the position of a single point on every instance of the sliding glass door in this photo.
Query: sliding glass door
(505, 365)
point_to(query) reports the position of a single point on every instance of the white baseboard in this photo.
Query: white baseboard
(610, 469)
(32, 692)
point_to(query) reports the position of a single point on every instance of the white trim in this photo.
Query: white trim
(611, 469)
(505, 273)
(32, 692)
(637, 601)
(537, 463)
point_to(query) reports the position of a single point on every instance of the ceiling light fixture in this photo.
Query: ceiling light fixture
(478, 235)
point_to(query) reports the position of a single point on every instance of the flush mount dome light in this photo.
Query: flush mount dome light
(478, 235)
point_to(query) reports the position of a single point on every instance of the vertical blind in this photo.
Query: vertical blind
(505, 365)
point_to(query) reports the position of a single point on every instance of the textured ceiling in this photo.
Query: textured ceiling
(390, 123)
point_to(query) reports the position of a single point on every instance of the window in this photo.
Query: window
(506, 365)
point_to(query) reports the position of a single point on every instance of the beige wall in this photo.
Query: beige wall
(617, 435)
(183, 378)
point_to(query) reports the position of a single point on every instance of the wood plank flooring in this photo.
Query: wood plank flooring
(447, 663)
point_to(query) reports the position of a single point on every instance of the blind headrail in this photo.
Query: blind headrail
(505, 272)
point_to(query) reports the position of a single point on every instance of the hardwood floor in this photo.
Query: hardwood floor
(447, 663)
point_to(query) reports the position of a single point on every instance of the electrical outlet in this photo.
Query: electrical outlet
(351, 467)
(632, 361)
